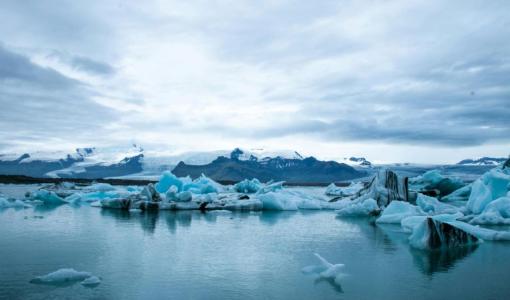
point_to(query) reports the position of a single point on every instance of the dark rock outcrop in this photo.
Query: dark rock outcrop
(444, 235)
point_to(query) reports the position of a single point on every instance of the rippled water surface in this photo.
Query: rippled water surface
(189, 255)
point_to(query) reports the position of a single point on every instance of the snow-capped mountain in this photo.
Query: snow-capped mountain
(82, 163)
(116, 161)
(484, 161)
(357, 162)
(292, 170)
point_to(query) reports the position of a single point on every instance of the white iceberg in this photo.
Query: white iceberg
(496, 212)
(326, 269)
(491, 186)
(347, 191)
(358, 208)
(398, 210)
(433, 206)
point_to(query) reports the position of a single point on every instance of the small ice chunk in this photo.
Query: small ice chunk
(101, 187)
(48, 197)
(91, 281)
(220, 212)
(61, 276)
(326, 269)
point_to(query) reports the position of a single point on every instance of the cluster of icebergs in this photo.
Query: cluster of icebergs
(449, 219)
(437, 211)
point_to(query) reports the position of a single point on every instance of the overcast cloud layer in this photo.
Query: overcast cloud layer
(424, 81)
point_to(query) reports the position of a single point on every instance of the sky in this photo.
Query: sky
(394, 81)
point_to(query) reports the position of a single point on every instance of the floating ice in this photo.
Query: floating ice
(347, 191)
(278, 201)
(461, 194)
(248, 186)
(326, 269)
(491, 186)
(166, 180)
(496, 212)
(433, 180)
(288, 200)
(409, 223)
(61, 276)
(358, 208)
(255, 186)
(6, 203)
(48, 197)
(398, 210)
(201, 185)
(433, 206)
(385, 187)
(91, 281)
(101, 187)
(434, 234)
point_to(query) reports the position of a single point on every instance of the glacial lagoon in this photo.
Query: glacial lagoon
(240, 255)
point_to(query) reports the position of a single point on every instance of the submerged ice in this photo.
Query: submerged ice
(67, 275)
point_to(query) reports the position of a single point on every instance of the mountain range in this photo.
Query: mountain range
(225, 165)
(294, 170)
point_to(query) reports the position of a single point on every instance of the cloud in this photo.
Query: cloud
(40, 105)
(425, 73)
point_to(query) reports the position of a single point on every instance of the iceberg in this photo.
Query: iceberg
(409, 223)
(352, 189)
(278, 201)
(433, 206)
(150, 193)
(398, 210)
(61, 276)
(91, 281)
(385, 187)
(461, 194)
(47, 197)
(326, 269)
(496, 212)
(12, 203)
(434, 234)
(434, 181)
(201, 185)
(255, 186)
(101, 187)
(491, 186)
(166, 180)
(359, 209)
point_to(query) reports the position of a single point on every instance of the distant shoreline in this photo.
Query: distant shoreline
(21, 179)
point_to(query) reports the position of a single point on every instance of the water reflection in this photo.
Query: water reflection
(442, 260)
(331, 281)
(175, 219)
(428, 261)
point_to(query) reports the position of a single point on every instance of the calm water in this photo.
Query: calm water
(188, 255)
